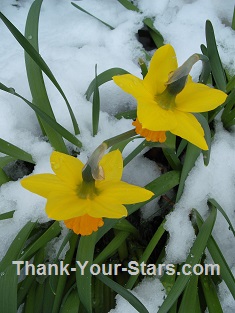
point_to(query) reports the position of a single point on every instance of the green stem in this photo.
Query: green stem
(114, 140)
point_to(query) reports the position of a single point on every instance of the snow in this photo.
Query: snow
(72, 43)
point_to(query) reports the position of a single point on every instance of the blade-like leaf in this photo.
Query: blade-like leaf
(193, 258)
(40, 62)
(103, 78)
(15, 152)
(213, 55)
(81, 9)
(35, 78)
(124, 293)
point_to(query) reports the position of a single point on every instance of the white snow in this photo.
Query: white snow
(72, 43)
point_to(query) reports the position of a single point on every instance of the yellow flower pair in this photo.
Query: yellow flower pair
(82, 203)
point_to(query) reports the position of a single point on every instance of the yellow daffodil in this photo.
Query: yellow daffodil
(160, 109)
(82, 204)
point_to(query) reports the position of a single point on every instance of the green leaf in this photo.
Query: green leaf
(233, 19)
(16, 247)
(112, 247)
(40, 242)
(15, 152)
(147, 252)
(103, 78)
(219, 259)
(154, 33)
(124, 293)
(6, 160)
(218, 207)
(213, 55)
(210, 294)
(128, 5)
(71, 302)
(85, 252)
(193, 258)
(40, 62)
(131, 114)
(204, 123)
(95, 106)
(8, 290)
(50, 121)
(60, 287)
(81, 9)
(188, 302)
(192, 153)
(7, 215)
(35, 78)
(3, 177)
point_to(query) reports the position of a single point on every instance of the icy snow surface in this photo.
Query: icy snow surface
(71, 43)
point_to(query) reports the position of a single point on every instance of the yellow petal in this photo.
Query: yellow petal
(153, 117)
(190, 129)
(162, 64)
(100, 208)
(124, 193)
(67, 168)
(84, 225)
(112, 165)
(66, 205)
(197, 97)
(43, 184)
(132, 85)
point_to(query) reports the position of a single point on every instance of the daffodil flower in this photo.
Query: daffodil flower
(162, 109)
(83, 203)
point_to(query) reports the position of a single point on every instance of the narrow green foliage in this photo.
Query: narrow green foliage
(143, 66)
(8, 290)
(131, 114)
(7, 215)
(32, 52)
(128, 5)
(147, 252)
(213, 55)
(6, 160)
(210, 294)
(154, 33)
(16, 247)
(25, 285)
(188, 302)
(50, 121)
(172, 159)
(35, 78)
(8, 277)
(3, 177)
(204, 123)
(81, 9)
(218, 258)
(192, 153)
(71, 302)
(233, 20)
(218, 207)
(124, 293)
(193, 258)
(103, 78)
(206, 68)
(15, 152)
(52, 232)
(85, 252)
(62, 278)
(112, 247)
(95, 106)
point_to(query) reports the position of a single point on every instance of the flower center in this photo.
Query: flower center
(87, 190)
(166, 100)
